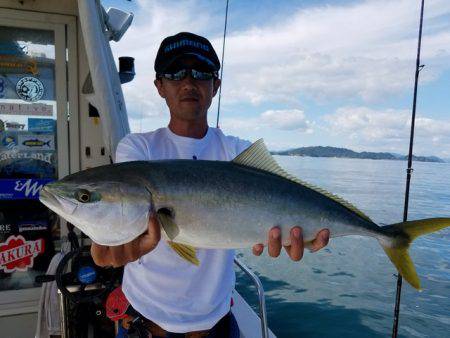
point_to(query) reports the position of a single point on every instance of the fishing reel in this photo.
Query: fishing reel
(84, 288)
(78, 278)
(85, 282)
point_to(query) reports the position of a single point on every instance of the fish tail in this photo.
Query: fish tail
(403, 235)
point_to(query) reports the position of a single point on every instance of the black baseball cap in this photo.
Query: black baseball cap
(182, 44)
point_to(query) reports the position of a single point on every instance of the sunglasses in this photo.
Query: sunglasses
(183, 73)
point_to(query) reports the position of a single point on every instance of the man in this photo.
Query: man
(177, 296)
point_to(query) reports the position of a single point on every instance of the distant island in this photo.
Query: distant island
(347, 153)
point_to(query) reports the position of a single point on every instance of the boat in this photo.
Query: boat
(61, 111)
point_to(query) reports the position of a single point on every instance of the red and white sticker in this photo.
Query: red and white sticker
(17, 254)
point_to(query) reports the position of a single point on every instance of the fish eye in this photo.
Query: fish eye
(83, 196)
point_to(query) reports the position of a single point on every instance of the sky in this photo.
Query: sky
(306, 73)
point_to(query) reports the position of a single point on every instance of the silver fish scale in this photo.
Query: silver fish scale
(219, 204)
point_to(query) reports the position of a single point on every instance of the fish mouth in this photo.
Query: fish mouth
(47, 198)
(56, 203)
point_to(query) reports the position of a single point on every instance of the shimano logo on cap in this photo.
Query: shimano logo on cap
(186, 42)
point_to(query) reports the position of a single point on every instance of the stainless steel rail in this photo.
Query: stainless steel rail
(63, 304)
(62, 308)
(262, 300)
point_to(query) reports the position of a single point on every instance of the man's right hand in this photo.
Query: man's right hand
(122, 254)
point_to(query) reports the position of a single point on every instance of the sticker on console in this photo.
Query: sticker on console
(17, 254)
(30, 89)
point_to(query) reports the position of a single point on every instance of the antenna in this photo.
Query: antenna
(221, 71)
(409, 170)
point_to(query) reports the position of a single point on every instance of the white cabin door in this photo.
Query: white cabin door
(38, 88)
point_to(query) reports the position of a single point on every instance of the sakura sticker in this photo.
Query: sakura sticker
(17, 254)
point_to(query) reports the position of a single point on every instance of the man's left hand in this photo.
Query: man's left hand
(295, 249)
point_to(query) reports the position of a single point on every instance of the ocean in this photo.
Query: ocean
(348, 288)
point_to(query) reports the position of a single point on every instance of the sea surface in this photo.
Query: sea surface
(348, 288)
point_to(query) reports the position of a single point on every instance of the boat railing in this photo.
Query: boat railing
(261, 297)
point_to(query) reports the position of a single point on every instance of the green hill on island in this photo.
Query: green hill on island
(320, 151)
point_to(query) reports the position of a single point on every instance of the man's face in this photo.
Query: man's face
(187, 99)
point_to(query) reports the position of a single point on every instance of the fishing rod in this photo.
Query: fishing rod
(221, 71)
(409, 170)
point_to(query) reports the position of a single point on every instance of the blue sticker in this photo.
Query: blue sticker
(9, 141)
(13, 48)
(14, 189)
(43, 125)
(87, 274)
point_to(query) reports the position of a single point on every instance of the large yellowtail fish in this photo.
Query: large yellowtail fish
(216, 204)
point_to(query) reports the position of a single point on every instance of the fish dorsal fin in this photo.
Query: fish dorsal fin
(257, 156)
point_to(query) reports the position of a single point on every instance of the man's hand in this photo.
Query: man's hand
(295, 249)
(122, 254)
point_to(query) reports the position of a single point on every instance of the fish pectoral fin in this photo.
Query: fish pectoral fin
(186, 252)
(167, 222)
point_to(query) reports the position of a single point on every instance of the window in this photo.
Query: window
(28, 153)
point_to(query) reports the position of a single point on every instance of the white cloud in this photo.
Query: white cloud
(364, 50)
(234, 125)
(284, 120)
(293, 119)
(368, 124)
(389, 130)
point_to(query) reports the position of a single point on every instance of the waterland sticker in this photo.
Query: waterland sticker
(30, 89)
(13, 154)
(17, 254)
(26, 167)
